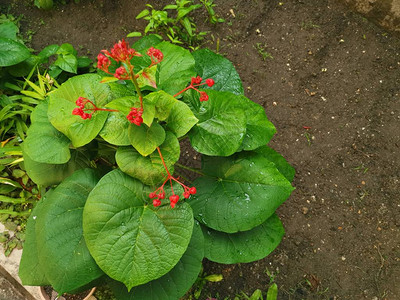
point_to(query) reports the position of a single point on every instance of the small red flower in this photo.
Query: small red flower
(196, 80)
(156, 56)
(193, 190)
(156, 202)
(103, 62)
(121, 73)
(135, 116)
(203, 96)
(210, 82)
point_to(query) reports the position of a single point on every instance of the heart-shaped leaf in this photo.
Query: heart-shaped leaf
(62, 250)
(146, 139)
(131, 241)
(116, 128)
(217, 67)
(259, 130)
(222, 125)
(176, 282)
(44, 143)
(238, 192)
(31, 271)
(176, 68)
(243, 247)
(150, 169)
(62, 102)
(12, 52)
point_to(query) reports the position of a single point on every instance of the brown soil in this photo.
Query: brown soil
(332, 90)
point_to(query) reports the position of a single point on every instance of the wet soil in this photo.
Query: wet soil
(330, 82)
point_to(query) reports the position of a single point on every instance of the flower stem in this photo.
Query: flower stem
(189, 169)
(136, 84)
(162, 159)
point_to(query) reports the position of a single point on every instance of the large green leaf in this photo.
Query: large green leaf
(163, 103)
(238, 192)
(176, 282)
(217, 67)
(131, 241)
(259, 130)
(62, 250)
(44, 143)
(31, 271)
(243, 247)
(222, 125)
(12, 52)
(146, 42)
(116, 128)
(176, 68)
(62, 102)
(146, 139)
(8, 30)
(50, 174)
(280, 163)
(150, 169)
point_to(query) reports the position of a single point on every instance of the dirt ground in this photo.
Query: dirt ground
(331, 86)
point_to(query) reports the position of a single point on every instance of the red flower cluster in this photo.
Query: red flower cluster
(196, 82)
(80, 111)
(155, 55)
(159, 193)
(135, 116)
(121, 52)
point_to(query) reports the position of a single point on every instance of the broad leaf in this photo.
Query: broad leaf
(181, 119)
(62, 103)
(176, 282)
(217, 67)
(67, 62)
(44, 143)
(50, 174)
(131, 241)
(176, 68)
(163, 103)
(8, 30)
(146, 139)
(238, 192)
(243, 247)
(147, 78)
(146, 42)
(31, 271)
(12, 52)
(116, 128)
(280, 163)
(62, 250)
(222, 125)
(259, 130)
(150, 169)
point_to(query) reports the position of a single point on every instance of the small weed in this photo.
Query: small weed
(308, 25)
(362, 168)
(261, 51)
(308, 137)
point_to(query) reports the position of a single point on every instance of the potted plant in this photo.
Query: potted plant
(106, 146)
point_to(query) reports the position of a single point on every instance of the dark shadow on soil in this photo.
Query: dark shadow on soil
(332, 89)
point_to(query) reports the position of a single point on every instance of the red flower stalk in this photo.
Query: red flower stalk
(135, 116)
(159, 193)
(81, 110)
(196, 82)
(155, 55)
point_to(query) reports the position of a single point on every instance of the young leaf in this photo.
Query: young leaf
(12, 52)
(146, 139)
(149, 170)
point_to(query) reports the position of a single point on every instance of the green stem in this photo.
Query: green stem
(189, 169)
(136, 84)
(14, 213)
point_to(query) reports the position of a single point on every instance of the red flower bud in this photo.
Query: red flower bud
(161, 195)
(77, 111)
(203, 96)
(174, 198)
(152, 195)
(156, 202)
(186, 195)
(196, 80)
(193, 190)
(210, 82)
